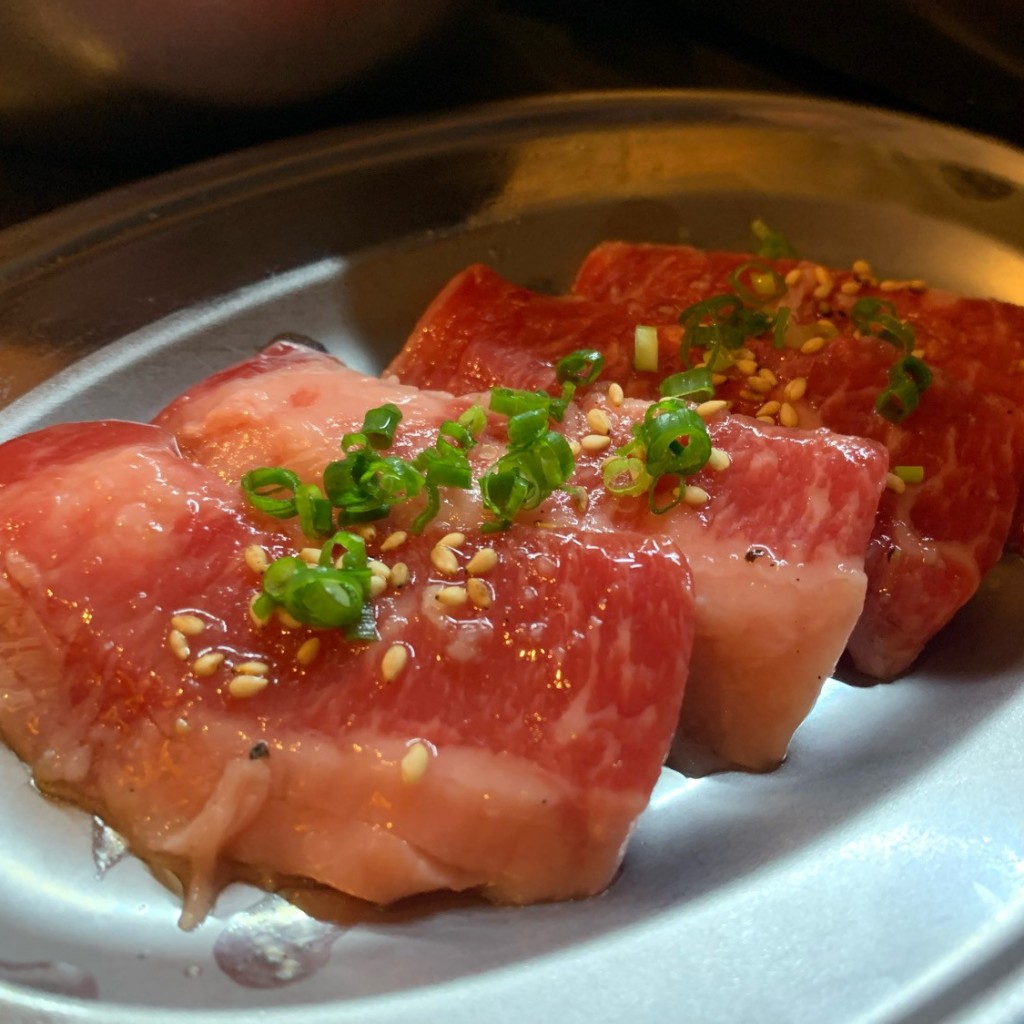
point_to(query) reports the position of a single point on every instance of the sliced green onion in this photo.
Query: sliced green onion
(314, 510)
(719, 322)
(645, 349)
(909, 474)
(907, 380)
(771, 245)
(261, 485)
(877, 317)
(379, 425)
(757, 283)
(693, 384)
(580, 368)
(625, 476)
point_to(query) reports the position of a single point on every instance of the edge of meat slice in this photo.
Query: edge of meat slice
(511, 753)
(770, 627)
(934, 540)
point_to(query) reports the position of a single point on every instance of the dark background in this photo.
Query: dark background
(943, 59)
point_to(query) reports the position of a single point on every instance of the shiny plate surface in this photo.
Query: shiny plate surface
(878, 876)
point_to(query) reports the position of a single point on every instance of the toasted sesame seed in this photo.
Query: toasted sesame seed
(889, 285)
(750, 396)
(482, 562)
(769, 408)
(759, 385)
(453, 540)
(765, 419)
(694, 495)
(251, 668)
(256, 558)
(718, 379)
(895, 483)
(181, 726)
(444, 559)
(746, 367)
(207, 664)
(247, 685)
(788, 416)
(257, 620)
(311, 556)
(598, 421)
(812, 345)
(595, 442)
(378, 568)
(394, 540)
(399, 574)
(308, 650)
(767, 375)
(822, 291)
(707, 409)
(822, 275)
(793, 277)
(365, 530)
(616, 396)
(287, 619)
(575, 447)
(719, 460)
(862, 268)
(917, 285)
(795, 389)
(415, 763)
(452, 597)
(190, 625)
(479, 593)
(850, 287)
(378, 584)
(394, 660)
(178, 644)
(919, 352)
(743, 353)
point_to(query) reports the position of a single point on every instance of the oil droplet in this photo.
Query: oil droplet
(54, 977)
(108, 847)
(273, 943)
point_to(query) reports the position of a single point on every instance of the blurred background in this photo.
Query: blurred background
(95, 93)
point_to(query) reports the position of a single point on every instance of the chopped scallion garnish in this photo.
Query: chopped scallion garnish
(580, 368)
(645, 349)
(757, 283)
(907, 380)
(909, 474)
(771, 245)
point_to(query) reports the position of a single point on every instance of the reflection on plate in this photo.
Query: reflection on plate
(878, 875)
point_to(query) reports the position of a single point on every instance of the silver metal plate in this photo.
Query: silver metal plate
(877, 876)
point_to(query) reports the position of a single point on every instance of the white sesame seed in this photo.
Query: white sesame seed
(453, 540)
(889, 285)
(850, 287)
(822, 291)
(718, 379)
(399, 574)
(378, 568)
(308, 650)
(598, 421)
(247, 685)
(311, 556)
(861, 268)
(694, 495)
(788, 416)
(394, 660)
(378, 584)
(207, 664)
(256, 558)
(479, 593)
(575, 447)
(750, 396)
(251, 668)
(452, 597)
(760, 385)
(394, 540)
(793, 277)
(708, 409)
(178, 644)
(415, 763)
(746, 367)
(482, 562)
(287, 619)
(822, 275)
(615, 394)
(365, 530)
(766, 419)
(190, 625)
(769, 408)
(767, 375)
(595, 442)
(917, 285)
(719, 460)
